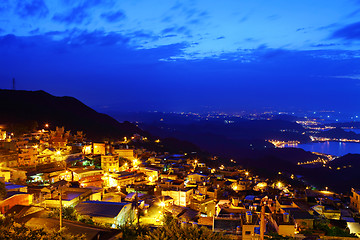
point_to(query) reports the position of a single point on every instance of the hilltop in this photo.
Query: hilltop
(25, 110)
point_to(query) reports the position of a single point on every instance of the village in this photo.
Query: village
(109, 185)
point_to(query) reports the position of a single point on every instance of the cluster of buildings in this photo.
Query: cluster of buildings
(112, 184)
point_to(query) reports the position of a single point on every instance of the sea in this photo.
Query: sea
(332, 148)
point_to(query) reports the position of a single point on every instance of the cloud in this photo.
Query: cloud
(167, 19)
(168, 30)
(4, 4)
(113, 16)
(31, 8)
(79, 13)
(179, 30)
(356, 77)
(354, 13)
(273, 17)
(322, 45)
(75, 15)
(80, 38)
(243, 19)
(349, 32)
(326, 27)
(34, 31)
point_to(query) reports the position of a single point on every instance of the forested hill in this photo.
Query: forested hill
(23, 110)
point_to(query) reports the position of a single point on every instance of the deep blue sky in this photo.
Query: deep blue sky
(185, 55)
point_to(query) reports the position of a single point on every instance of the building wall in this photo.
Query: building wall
(125, 181)
(196, 178)
(18, 199)
(181, 198)
(6, 175)
(248, 232)
(125, 153)
(287, 230)
(28, 157)
(110, 163)
(150, 174)
(99, 148)
(355, 200)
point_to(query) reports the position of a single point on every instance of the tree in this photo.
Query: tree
(11, 230)
(276, 236)
(69, 213)
(131, 232)
(175, 231)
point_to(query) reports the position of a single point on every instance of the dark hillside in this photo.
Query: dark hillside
(23, 110)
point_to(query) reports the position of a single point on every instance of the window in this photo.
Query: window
(247, 232)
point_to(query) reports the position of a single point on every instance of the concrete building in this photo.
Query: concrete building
(203, 204)
(355, 200)
(195, 178)
(182, 197)
(114, 213)
(284, 224)
(99, 148)
(28, 156)
(227, 221)
(250, 226)
(70, 197)
(14, 198)
(125, 153)
(152, 174)
(110, 163)
(119, 179)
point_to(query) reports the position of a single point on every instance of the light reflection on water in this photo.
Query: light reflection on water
(333, 148)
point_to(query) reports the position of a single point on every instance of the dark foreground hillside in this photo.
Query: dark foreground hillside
(23, 110)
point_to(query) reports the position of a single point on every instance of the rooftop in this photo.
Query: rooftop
(101, 209)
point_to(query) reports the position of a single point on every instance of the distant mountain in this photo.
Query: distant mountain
(343, 175)
(346, 124)
(339, 133)
(24, 110)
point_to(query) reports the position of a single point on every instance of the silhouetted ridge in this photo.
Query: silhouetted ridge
(23, 110)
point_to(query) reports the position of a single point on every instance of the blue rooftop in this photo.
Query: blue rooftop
(13, 186)
(101, 209)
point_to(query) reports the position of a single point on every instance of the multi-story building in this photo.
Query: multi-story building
(110, 163)
(203, 204)
(355, 199)
(182, 197)
(28, 156)
(99, 148)
(125, 153)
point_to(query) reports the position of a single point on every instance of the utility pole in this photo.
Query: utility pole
(262, 217)
(61, 220)
(13, 83)
(137, 208)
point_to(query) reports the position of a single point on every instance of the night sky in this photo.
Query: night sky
(230, 55)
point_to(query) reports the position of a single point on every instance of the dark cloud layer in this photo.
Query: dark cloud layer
(113, 16)
(31, 8)
(349, 32)
(75, 15)
(78, 13)
(97, 66)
